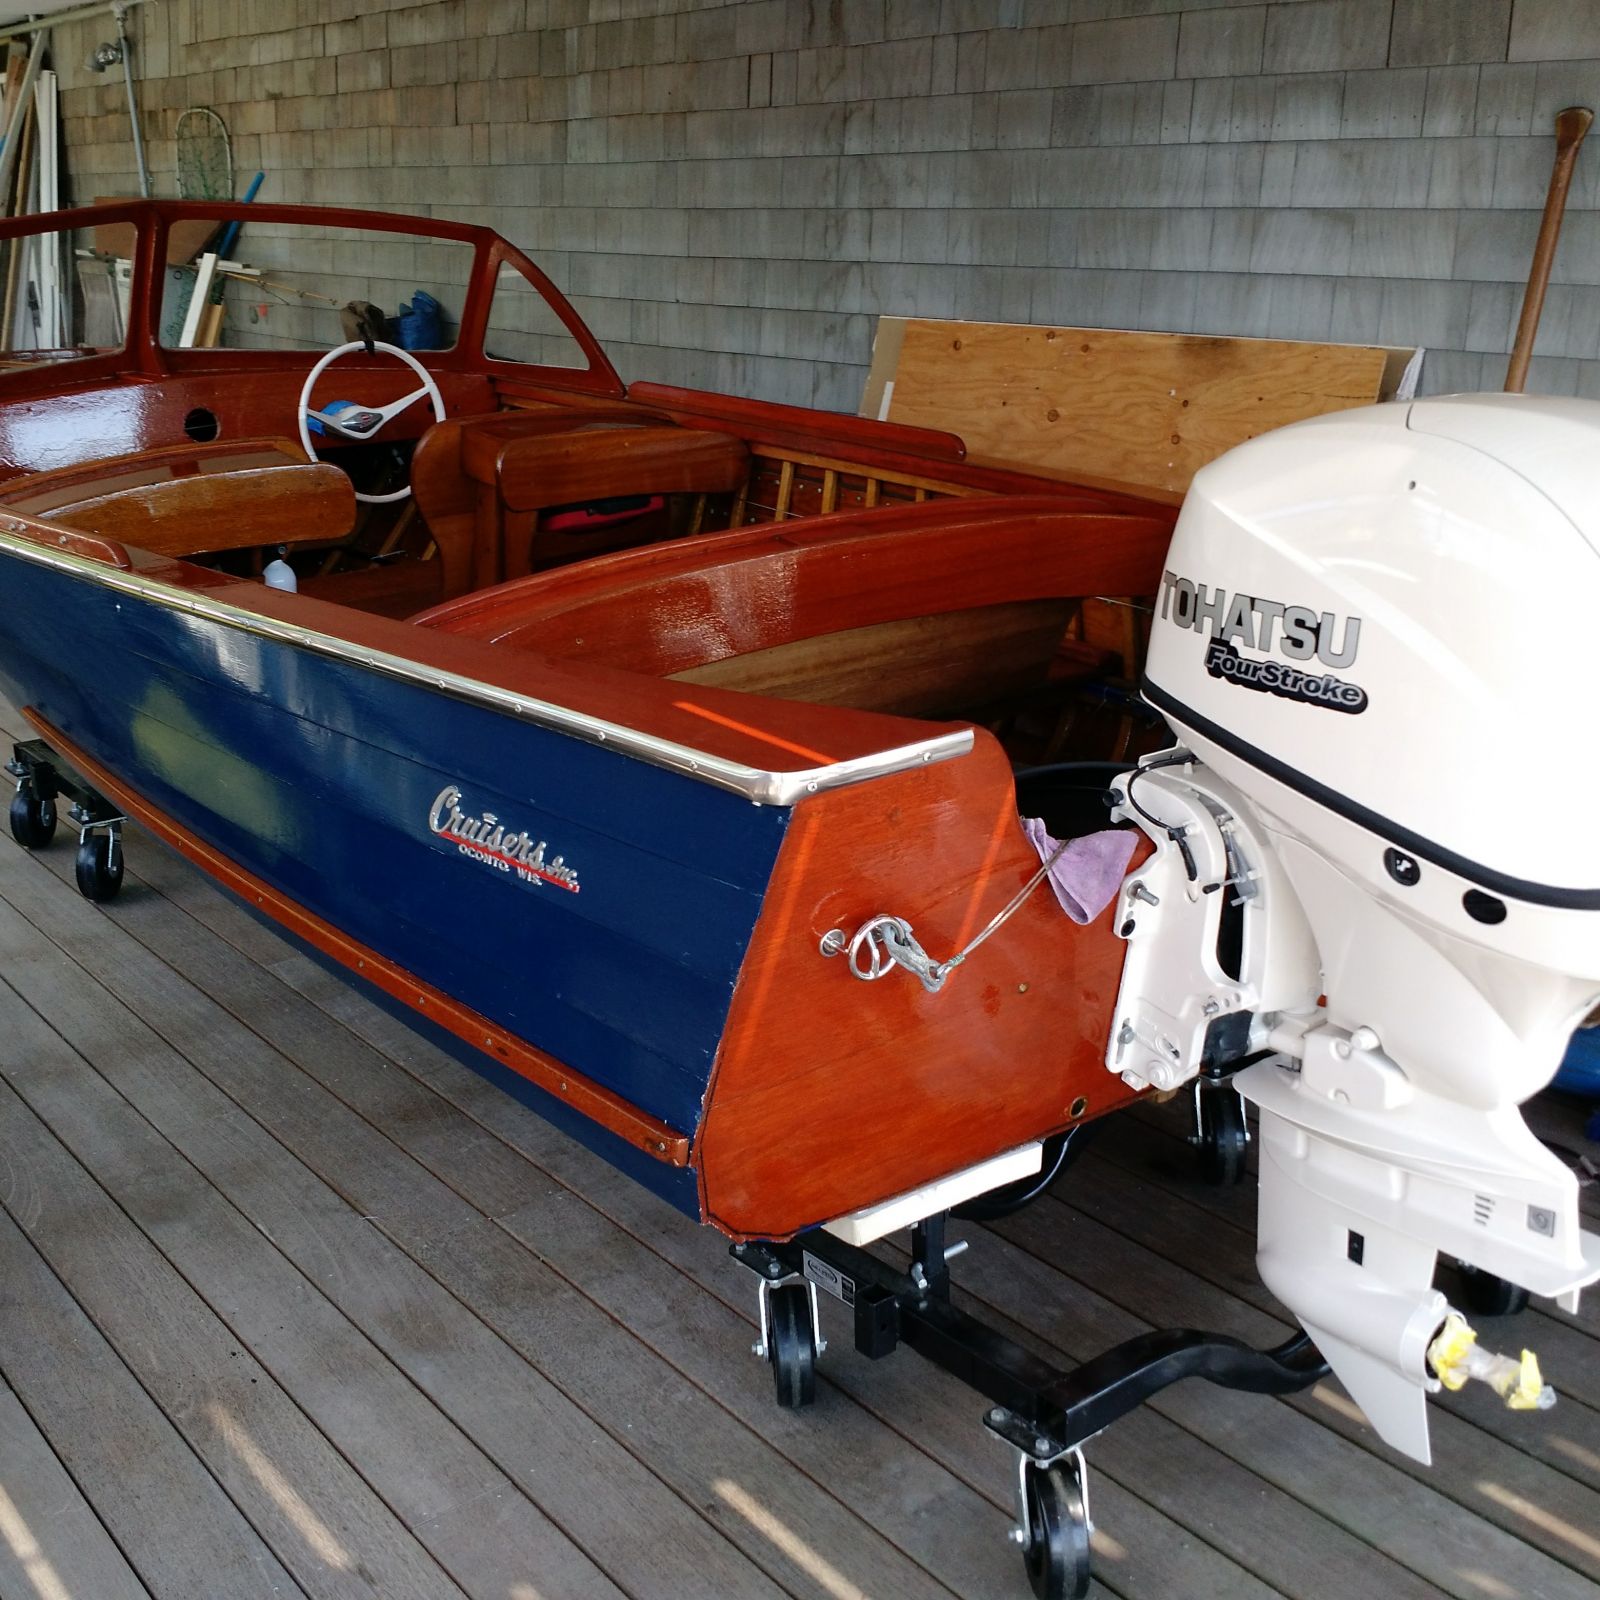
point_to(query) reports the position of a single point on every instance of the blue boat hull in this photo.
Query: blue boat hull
(678, 1186)
(592, 905)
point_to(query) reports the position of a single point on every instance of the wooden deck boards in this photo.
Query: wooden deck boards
(291, 1304)
(39, 1500)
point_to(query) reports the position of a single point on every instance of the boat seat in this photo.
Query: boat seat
(520, 464)
(192, 499)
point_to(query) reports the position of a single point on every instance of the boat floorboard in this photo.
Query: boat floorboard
(292, 1304)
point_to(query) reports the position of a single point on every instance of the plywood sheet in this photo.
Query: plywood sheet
(184, 238)
(1143, 409)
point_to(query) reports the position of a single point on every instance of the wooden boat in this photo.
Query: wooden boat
(630, 734)
(588, 826)
(610, 735)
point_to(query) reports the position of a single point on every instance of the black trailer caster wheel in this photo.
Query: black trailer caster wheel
(792, 1345)
(1490, 1296)
(1223, 1138)
(99, 866)
(33, 818)
(1057, 1552)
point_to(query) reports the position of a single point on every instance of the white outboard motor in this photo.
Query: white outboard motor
(1375, 640)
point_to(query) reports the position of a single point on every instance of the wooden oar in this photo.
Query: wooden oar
(1571, 125)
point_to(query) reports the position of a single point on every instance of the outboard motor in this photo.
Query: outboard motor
(1372, 879)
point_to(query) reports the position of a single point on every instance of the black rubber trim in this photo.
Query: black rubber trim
(1537, 894)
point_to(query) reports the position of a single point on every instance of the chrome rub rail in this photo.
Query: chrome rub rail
(761, 786)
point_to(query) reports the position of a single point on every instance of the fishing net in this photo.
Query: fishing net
(205, 158)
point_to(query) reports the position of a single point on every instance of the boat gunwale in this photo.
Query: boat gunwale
(582, 583)
(761, 786)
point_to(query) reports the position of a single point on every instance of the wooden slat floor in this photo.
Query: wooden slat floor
(293, 1305)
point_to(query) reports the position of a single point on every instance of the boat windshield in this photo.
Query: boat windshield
(60, 299)
(305, 286)
(277, 279)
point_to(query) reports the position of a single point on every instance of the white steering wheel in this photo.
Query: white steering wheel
(363, 422)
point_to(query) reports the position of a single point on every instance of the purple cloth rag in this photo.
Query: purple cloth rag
(1088, 873)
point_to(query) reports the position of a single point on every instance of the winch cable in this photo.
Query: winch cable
(886, 941)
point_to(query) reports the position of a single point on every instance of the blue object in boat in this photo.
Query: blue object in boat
(419, 324)
(332, 409)
(1580, 1069)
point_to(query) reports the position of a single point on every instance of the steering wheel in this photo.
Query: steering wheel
(363, 422)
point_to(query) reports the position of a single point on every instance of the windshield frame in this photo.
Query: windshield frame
(143, 355)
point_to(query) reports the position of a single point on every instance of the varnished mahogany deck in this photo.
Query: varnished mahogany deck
(292, 1305)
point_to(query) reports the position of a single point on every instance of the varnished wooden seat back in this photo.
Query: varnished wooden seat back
(482, 482)
(608, 459)
(598, 461)
(192, 498)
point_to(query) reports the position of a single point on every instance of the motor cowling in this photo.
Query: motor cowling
(1391, 613)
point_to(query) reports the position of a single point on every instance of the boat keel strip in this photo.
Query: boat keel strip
(600, 1105)
(1046, 1414)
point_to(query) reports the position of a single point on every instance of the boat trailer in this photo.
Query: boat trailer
(43, 778)
(1044, 1413)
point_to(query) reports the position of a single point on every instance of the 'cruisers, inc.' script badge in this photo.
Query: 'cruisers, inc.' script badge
(485, 838)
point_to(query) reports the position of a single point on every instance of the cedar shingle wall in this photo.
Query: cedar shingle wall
(731, 193)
